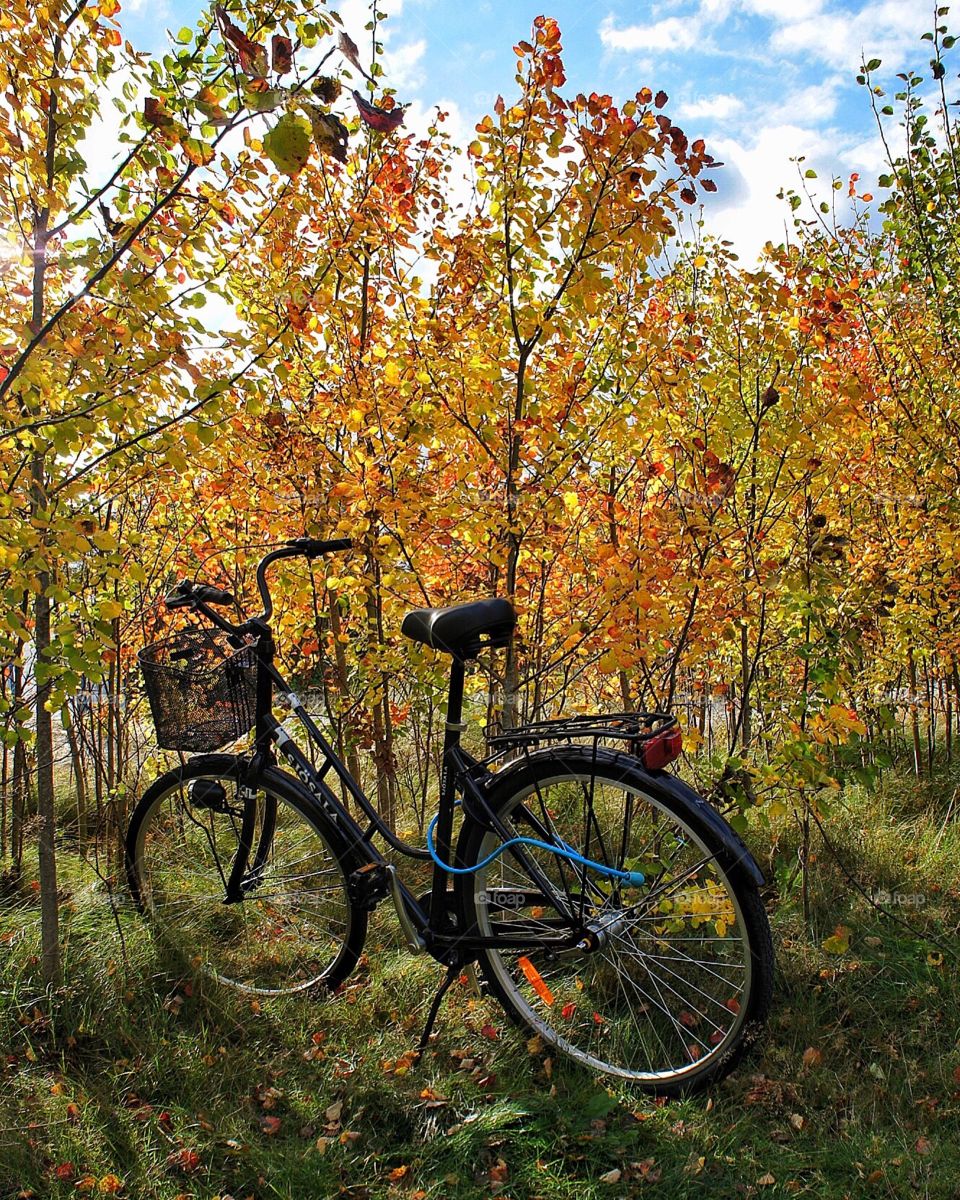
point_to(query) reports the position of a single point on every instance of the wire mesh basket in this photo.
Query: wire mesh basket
(202, 690)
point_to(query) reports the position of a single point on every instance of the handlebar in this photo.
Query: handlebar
(199, 596)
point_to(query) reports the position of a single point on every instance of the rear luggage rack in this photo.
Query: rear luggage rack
(654, 737)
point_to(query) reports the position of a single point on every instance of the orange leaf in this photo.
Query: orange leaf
(282, 53)
(812, 1057)
(155, 113)
(183, 1160)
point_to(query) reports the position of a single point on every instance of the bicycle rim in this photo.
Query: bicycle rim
(294, 927)
(663, 994)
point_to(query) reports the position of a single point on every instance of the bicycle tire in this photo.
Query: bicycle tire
(295, 927)
(653, 1001)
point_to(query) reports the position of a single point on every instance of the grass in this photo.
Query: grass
(139, 1078)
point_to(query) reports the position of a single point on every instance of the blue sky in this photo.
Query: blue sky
(761, 80)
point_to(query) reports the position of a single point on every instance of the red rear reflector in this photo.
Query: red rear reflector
(662, 749)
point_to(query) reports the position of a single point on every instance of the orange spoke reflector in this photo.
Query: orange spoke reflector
(537, 981)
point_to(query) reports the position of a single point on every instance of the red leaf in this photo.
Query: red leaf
(708, 185)
(490, 1031)
(253, 57)
(660, 99)
(154, 113)
(383, 120)
(688, 196)
(282, 51)
(569, 1009)
(348, 48)
(270, 1125)
(698, 146)
(64, 1170)
(183, 1160)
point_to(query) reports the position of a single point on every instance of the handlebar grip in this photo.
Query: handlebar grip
(189, 595)
(208, 594)
(181, 596)
(313, 547)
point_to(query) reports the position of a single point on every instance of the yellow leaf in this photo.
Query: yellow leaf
(838, 942)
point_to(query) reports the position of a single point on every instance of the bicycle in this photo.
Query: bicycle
(610, 909)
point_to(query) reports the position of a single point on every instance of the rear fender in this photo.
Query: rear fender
(661, 785)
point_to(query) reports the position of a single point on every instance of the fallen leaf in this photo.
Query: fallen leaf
(270, 1125)
(500, 1172)
(766, 1180)
(184, 1160)
(839, 941)
(812, 1057)
(613, 1176)
(923, 1145)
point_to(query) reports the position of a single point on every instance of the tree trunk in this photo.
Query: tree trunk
(382, 732)
(746, 712)
(49, 903)
(914, 714)
(79, 776)
(20, 791)
(343, 687)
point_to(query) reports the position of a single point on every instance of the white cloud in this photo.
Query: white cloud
(711, 108)
(781, 12)
(869, 157)
(811, 105)
(672, 33)
(887, 30)
(402, 68)
(750, 213)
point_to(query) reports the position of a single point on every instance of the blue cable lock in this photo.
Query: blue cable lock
(633, 878)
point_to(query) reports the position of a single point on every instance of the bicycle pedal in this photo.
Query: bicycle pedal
(368, 885)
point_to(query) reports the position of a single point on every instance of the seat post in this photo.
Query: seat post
(443, 835)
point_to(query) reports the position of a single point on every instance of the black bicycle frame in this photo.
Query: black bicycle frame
(460, 773)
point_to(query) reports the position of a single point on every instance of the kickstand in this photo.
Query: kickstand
(453, 972)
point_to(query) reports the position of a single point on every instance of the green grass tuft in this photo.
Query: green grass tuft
(182, 1089)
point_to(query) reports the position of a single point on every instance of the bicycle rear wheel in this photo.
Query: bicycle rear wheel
(664, 985)
(293, 929)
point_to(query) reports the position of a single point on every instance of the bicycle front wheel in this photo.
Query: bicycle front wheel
(294, 927)
(664, 985)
